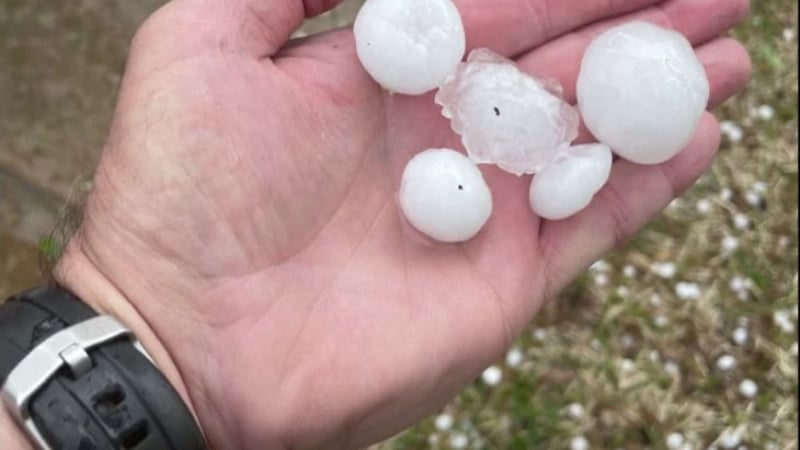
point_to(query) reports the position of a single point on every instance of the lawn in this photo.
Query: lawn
(686, 338)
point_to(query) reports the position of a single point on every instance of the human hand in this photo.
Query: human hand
(243, 219)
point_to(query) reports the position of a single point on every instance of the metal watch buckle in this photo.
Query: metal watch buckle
(67, 347)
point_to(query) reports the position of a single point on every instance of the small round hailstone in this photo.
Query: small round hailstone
(725, 126)
(726, 194)
(642, 91)
(409, 46)
(741, 221)
(672, 368)
(736, 134)
(505, 116)
(730, 438)
(443, 422)
(664, 270)
(748, 388)
(783, 321)
(600, 266)
(443, 195)
(788, 34)
(575, 411)
(661, 321)
(743, 295)
(687, 291)
(704, 206)
(568, 186)
(626, 365)
(726, 362)
(629, 271)
(765, 112)
(514, 357)
(579, 443)
(730, 244)
(738, 284)
(459, 440)
(601, 279)
(492, 376)
(730, 130)
(675, 441)
(753, 198)
(740, 336)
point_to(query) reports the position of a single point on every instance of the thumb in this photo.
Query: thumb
(187, 28)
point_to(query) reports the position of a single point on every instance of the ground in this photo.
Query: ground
(685, 338)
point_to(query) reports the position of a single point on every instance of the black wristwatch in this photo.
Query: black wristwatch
(74, 380)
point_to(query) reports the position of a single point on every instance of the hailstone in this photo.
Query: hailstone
(409, 46)
(568, 186)
(506, 117)
(444, 195)
(642, 91)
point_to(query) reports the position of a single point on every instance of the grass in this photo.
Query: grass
(640, 360)
(627, 357)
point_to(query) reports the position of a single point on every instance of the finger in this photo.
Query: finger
(728, 68)
(316, 7)
(634, 195)
(561, 58)
(510, 27)
(257, 28)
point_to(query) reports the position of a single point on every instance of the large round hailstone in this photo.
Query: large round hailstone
(642, 91)
(444, 196)
(569, 185)
(409, 46)
(507, 117)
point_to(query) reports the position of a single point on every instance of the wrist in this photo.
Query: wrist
(11, 436)
(77, 273)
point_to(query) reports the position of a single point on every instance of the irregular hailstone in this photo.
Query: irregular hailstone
(507, 117)
(409, 46)
(569, 185)
(443, 195)
(642, 91)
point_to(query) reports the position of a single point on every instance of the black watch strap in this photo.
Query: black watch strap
(114, 399)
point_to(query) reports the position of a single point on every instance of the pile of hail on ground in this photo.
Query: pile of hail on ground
(641, 92)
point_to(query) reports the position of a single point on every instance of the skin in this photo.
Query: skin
(243, 220)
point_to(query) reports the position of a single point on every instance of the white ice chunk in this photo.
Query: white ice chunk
(507, 117)
(642, 91)
(409, 46)
(443, 195)
(569, 185)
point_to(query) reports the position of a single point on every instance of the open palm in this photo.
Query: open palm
(245, 205)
